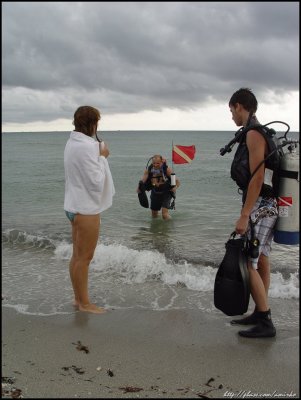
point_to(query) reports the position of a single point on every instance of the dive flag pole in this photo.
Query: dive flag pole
(173, 175)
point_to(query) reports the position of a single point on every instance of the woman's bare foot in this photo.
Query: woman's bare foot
(93, 308)
(75, 304)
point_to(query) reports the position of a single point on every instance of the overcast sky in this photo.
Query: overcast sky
(147, 65)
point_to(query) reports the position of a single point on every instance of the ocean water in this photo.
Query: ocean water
(139, 261)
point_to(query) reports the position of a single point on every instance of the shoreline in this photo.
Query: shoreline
(145, 354)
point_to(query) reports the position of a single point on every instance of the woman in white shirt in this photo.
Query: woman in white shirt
(89, 190)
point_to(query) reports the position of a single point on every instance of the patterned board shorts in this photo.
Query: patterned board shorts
(264, 216)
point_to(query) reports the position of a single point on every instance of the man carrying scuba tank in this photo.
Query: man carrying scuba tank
(259, 209)
(157, 179)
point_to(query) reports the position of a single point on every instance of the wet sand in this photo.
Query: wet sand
(144, 354)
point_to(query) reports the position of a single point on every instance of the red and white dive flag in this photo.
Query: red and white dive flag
(183, 154)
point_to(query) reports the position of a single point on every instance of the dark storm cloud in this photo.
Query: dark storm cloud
(132, 56)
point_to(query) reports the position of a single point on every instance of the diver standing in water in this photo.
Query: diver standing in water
(157, 178)
(259, 210)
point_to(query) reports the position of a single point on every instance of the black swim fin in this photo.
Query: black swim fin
(143, 200)
(142, 197)
(232, 287)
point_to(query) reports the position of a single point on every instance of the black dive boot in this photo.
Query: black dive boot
(252, 319)
(263, 328)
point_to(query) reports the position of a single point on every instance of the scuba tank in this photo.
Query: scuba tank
(173, 179)
(287, 225)
(285, 167)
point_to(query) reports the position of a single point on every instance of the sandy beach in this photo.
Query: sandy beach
(144, 354)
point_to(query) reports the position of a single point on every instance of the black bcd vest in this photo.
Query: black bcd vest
(240, 170)
(165, 187)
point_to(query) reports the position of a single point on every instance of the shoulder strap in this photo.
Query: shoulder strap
(257, 127)
(164, 168)
(242, 135)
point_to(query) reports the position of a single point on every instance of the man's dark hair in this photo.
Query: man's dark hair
(246, 98)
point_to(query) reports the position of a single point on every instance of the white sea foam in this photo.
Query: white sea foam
(140, 266)
(284, 289)
(20, 237)
(23, 309)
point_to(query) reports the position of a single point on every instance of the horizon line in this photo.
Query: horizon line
(131, 130)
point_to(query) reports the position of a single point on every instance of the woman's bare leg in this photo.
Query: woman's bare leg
(71, 265)
(86, 231)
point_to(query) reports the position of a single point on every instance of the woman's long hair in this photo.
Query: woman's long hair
(85, 119)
